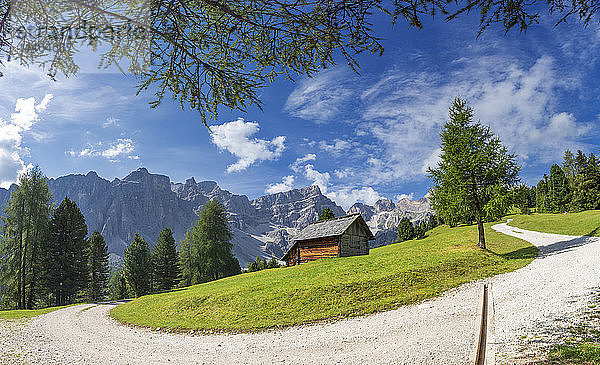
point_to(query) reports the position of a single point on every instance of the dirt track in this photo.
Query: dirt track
(440, 331)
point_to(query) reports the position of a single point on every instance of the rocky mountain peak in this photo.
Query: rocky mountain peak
(384, 205)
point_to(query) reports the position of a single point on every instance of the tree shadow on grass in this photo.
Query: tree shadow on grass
(530, 252)
(594, 232)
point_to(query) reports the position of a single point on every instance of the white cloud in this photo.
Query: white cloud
(405, 113)
(285, 185)
(343, 173)
(110, 121)
(336, 147)
(235, 138)
(399, 197)
(321, 179)
(297, 165)
(346, 197)
(321, 97)
(432, 161)
(121, 148)
(11, 137)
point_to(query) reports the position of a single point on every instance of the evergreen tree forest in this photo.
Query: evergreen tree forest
(45, 257)
(572, 187)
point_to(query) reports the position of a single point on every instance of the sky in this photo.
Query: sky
(359, 137)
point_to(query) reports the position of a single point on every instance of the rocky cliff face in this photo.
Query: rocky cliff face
(145, 203)
(384, 216)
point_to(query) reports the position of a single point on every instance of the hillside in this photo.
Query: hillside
(145, 203)
(586, 223)
(387, 278)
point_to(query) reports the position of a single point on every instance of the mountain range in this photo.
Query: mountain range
(144, 202)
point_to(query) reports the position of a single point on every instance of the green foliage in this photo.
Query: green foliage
(97, 267)
(420, 230)
(475, 173)
(574, 187)
(165, 261)
(137, 266)
(522, 199)
(432, 222)
(261, 264)
(586, 183)
(406, 230)
(326, 214)
(389, 277)
(210, 54)
(23, 234)
(28, 313)
(66, 263)
(118, 286)
(206, 251)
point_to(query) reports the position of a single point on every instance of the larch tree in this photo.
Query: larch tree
(97, 267)
(475, 171)
(212, 53)
(164, 261)
(66, 263)
(137, 266)
(209, 245)
(23, 237)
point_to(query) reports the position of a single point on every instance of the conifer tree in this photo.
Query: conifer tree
(475, 171)
(406, 230)
(97, 267)
(208, 245)
(186, 264)
(66, 266)
(541, 194)
(559, 193)
(118, 286)
(164, 261)
(325, 214)
(137, 266)
(23, 234)
(432, 223)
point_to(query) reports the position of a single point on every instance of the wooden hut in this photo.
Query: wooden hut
(337, 237)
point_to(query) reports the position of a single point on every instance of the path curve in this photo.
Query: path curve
(439, 331)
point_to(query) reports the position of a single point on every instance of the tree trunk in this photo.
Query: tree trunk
(481, 243)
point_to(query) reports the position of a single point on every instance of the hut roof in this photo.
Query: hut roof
(331, 227)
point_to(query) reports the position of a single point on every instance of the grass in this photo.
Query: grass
(28, 313)
(586, 223)
(582, 342)
(576, 353)
(387, 278)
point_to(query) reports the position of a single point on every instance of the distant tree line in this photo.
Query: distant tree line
(572, 187)
(47, 259)
(408, 230)
(262, 264)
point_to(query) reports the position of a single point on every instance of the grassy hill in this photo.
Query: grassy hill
(387, 278)
(27, 313)
(586, 223)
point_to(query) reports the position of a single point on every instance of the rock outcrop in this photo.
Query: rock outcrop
(145, 203)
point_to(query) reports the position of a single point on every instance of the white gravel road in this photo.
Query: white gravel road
(528, 303)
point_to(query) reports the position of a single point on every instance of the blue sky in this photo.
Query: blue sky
(359, 137)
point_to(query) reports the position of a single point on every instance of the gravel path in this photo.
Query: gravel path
(439, 331)
(534, 306)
